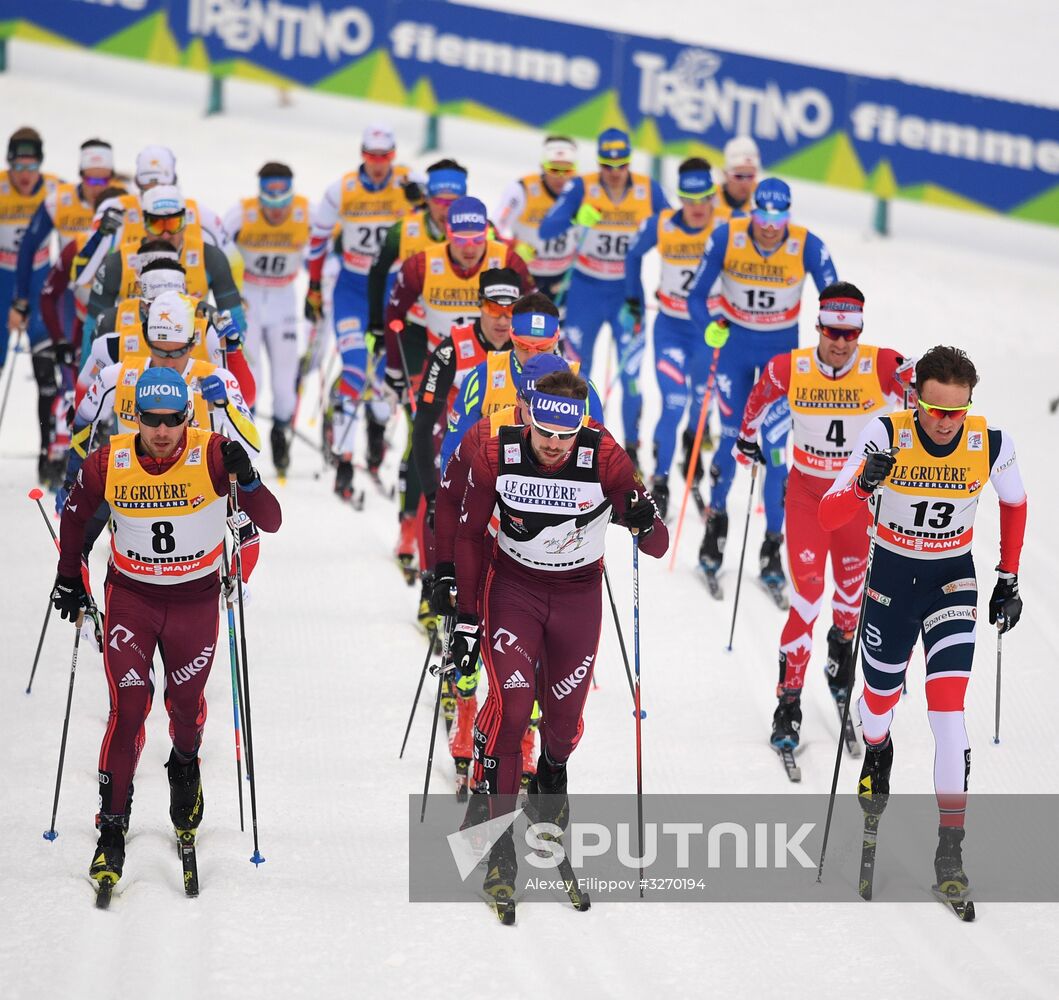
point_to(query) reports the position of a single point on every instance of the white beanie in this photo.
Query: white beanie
(96, 154)
(559, 151)
(171, 320)
(163, 199)
(378, 139)
(741, 151)
(155, 165)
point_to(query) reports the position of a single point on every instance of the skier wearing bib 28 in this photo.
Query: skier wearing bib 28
(162, 589)
(833, 390)
(931, 464)
(762, 262)
(556, 483)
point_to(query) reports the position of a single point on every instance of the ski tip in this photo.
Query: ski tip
(50, 834)
(256, 859)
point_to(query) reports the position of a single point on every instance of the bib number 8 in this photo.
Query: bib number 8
(162, 540)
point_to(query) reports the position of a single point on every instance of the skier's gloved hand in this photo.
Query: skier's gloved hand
(61, 496)
(639, 512)
(314, 303)
(717, 333)
(466, 640)
(443, 593)
(69, 596)
(228, 330)
(877, 466)
(588, 215)
(1005, 606)
(747, 451)
(237, 462)
(413, 192)
(111, 221)
(396, 388)
(212, 389)
(631, 316)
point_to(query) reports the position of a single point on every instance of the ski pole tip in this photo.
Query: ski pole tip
(36, 493)
(256, 859)
(996, 741)
(50, 834)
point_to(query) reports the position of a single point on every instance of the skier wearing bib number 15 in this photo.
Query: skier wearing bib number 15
(932, 464)
(762, 262)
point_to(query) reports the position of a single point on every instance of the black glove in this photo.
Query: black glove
(432, 503)
(466, 639)
(314, 303)
(639, 512)
(111, 221)
(877, 466)
(64, 352)
(414, 193)
(750, 449)
(236, 460)
(635, 307)
(21, 306)
(444, 589)
(69, 596)
(395, 382)
(1005, 606)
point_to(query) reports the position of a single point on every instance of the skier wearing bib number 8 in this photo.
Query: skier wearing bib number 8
(762, 263)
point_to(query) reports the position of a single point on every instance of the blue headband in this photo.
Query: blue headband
(559, 410)
(535, 326)
(695, 184)
(447, 181)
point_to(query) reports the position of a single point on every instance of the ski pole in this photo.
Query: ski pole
(638, 712)
(621, 638)
(442, 672)
(50, 833)
(397, 326)
(877, 500)
(415, 700)
(13, 355)
(228, 587)
(693, 461)
(40, 645)
(999, 637)
(742, 553)
(233, 495)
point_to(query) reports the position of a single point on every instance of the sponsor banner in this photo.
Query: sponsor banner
(879, 135)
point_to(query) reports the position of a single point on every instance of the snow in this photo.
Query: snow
(334, 659)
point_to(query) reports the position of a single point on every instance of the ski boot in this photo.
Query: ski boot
(428, 620)
(689, 450)
(839, 667)
(376, 443)
(787, 720)
(948, 863)
(499, 884)
(280, 447)
(128, 813)
(711, 551)
(772, 576)
(461, 743)
(109, 858)
(660, 492)
(873, 791)
(344, 480)
(185, 792)
(632, 449)
(546, 792)
(405, 549)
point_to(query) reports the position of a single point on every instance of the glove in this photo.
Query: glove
(631, 316)
(747, 451)
(432, 503)
(877, 466)
(111, 221)
(466, 640)
(525, 250)
(69, 596)
(444, 589)
(717, 333)
(588, 215)
(61, 496)
(64, 352)
(414, 193)
(228, 329)
(396, 386)
(314, 303)
(1005, 606)
(639, 513)
(237, 461)
(212, 389)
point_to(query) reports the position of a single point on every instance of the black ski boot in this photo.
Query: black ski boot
(376, 443)
(787, 720)
(769, 560)
(689, 448)
(185, 792)
(128, 812)
(632, 449)
(660, 492)
(546, 792)
(344, 480)
(427, 619)
(280, 441)
(948, 861)
(109, 858)
(873, 790)
(839, 667)
(711, 552)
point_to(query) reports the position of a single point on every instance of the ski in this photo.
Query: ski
(463, 787)
(777, 591)
(709, 577)
(580, 899)
(104, 891)
(503, 906)
(389, 492)
(407, 568)
(186, 850)
(849, 733)
(794, 772)
(448, 705)
(867, 854)
(952, 897)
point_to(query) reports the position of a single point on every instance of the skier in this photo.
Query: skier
(162, 589)
(556, 483)
(445, 277)
(524, 204)
(762, 262)
(446, 369)
(931, 464)
(833, 390)
(680, 236)
(609, 205)
(271, 231)
(742, 161)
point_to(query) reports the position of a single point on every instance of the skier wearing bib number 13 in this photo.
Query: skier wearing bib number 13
(932, 464)
(762, 262)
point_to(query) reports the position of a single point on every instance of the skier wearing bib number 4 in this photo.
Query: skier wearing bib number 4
(833, 390)
(762, 263)
(931, 464)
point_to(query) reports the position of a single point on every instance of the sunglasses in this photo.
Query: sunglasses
(773, 219)
(178, 353)
(560, 435)
(25, 167)
(497, 309)
(699, 197)
(938, 412)
(742, 177)
(158, 225)
(559, 168)
(839, 332)
(614, 166)
(97, 181)
(535, 346)
(477, 240)
(149, 419)
(378, 157)
(276, 200)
